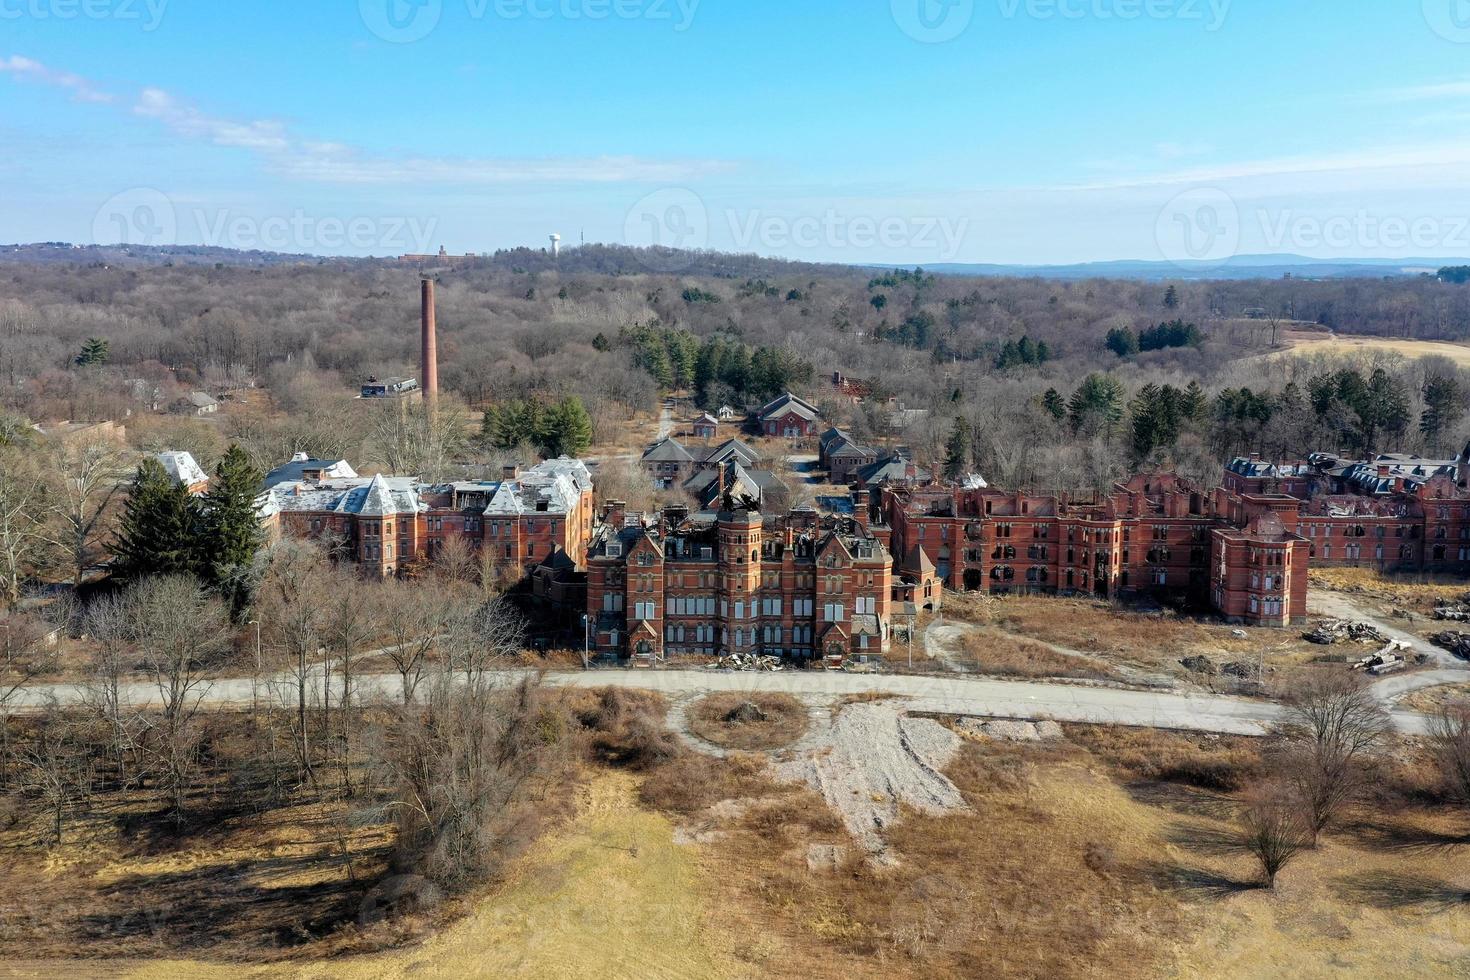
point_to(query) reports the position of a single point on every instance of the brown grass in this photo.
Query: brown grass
(1000, 654)
(1117, 635)
(1225, 763)
(785, 722)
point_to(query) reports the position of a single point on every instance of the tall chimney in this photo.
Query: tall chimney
(429, 367)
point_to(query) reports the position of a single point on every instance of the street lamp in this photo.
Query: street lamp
(586, 642)
(255, 678)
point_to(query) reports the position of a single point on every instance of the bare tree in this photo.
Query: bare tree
(105, 622)
(177, 628)
(293, 610)
(415, 617)
(23, 508)
(57, 768)
(84, 483)
(353, 621)
(1274, 831)
(480, 637)
(413, 440)
(467, 770)
(27, 651)
(1449, 741)
(455, 560)
(1333, 725)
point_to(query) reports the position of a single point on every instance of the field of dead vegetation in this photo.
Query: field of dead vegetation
(1109, 853)
(1309, 342)
(1035, 636)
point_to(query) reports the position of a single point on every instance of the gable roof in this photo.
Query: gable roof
(670, 450)
(732, 449)
(790, 404)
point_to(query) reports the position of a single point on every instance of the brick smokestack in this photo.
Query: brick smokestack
(429, 367)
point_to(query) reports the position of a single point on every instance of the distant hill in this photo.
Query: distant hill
(1236, 267)
(52, 253)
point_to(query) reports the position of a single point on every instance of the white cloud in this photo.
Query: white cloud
(304, 158)
(1422, 93)
(81, 90)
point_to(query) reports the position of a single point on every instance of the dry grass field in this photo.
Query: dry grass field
(1115, 853)
(1310, 342)
(1098, 635)
(716, 719)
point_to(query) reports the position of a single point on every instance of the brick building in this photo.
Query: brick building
(738, 581)
(789, 417)
(387, 524)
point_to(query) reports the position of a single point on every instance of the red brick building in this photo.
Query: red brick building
(789, 417)
(738, 581)
(387, 524)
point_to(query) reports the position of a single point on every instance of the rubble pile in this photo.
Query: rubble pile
(746, 661)
(1454, 641)
(1457, 613)
(1385, 661)
(1331, 631)
(746, 714)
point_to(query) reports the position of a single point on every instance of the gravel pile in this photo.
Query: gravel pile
(874, 760)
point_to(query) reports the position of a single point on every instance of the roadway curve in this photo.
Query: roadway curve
(943, 694)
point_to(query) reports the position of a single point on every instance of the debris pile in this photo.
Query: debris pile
(746, 661)
(1454, 641)
(746, 714)
(1010, 731)
(1385, 661)
(1331, 631)
(1455, 613)
(1198, 665)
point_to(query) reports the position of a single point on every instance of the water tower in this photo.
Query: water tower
(555, 245)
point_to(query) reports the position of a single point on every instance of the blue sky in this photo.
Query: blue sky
(868, 131)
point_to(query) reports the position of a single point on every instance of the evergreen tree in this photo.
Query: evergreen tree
(159, 530)
(1171, 297)
(1122, 341)
(600, 342)
(231, 526)
(1053, 402)
(957, 448)
(566, 429)
(1043, 352)
(94, 353)
(1443, 407)
(1097, 404)
(1193, 405)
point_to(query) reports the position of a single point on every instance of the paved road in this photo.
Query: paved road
(952, 695)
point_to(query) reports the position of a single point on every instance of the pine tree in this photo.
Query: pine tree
(566, 429)
(1193, 406)
(231, 526)
(1122, 341)
(1171, 297)
(159, 530)
(1442, 409)
(94, 353)
(957, 448)
(1053, 402)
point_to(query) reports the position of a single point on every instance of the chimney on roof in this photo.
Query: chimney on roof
(612, 512)
(300, 458)
(510, 472)
(430, 353)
